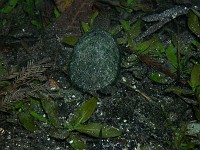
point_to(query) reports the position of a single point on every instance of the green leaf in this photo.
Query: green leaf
(38, 116)
(83, 113)
(76, 142)
(171, 54)
(70, 40)
(50, 108)
(196, 110)
(126, 25)
(144, 45)
(94, 129)
(37, 23)
(2, 70)
(130, 1)
(9, 7)
(28, 7)
(27, 121)
(196, 43)
(108, 131)
(56, 12)
(179, 91)
(135, 30)
(18, 105)
(85, 26)
(115, 30)
(195, 77)
(159, 78)
(193, 23)
(4, 22)
(58, 133)
(196, 12)
(179, 135)
(197, 94)
(92, 18)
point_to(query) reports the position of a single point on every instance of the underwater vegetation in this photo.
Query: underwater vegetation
(157, 41)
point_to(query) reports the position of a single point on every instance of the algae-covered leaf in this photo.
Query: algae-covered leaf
(193, 23)
(195, 77)
(9, 7)
(70, 40)
(50, 108)
(27, 121)
(196, 43)
(83, 113)
(77, 143)
(99, 130)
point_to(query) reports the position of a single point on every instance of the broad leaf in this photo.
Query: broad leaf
(92, 18)
(38, 116)
(179, 91)
(70, 40)
(126, 25)
(195, 77)
(171, 54)
(135, 30)
(59, 133)
(76, 142)
(159, 78)
(27, 121)
(83, 113)
(51, 109)
(85, 26)
(146, 44)
(94, 129)
(193, 23)
(9, 7)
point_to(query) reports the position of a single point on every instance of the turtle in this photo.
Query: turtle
(95, 61)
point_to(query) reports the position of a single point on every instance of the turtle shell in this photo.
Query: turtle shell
(95, 61)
